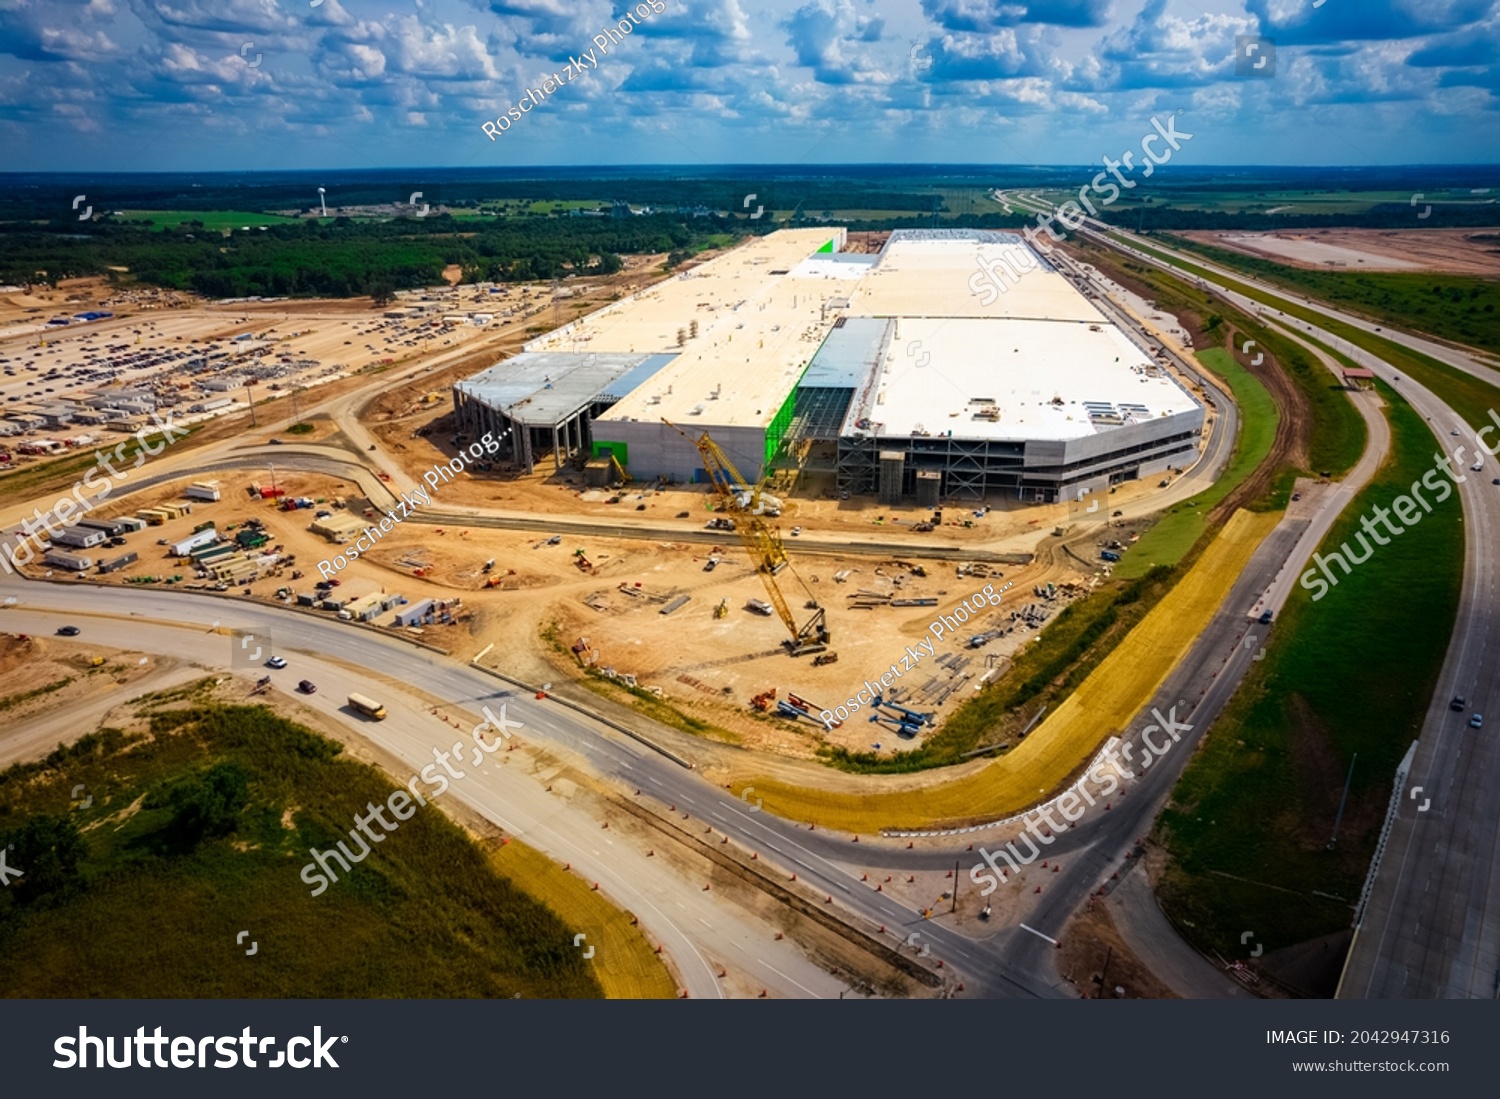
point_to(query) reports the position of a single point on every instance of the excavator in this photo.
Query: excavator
(742, 499)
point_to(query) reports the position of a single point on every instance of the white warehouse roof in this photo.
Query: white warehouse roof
(1012, 379)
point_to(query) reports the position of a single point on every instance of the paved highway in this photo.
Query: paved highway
(1432, 925)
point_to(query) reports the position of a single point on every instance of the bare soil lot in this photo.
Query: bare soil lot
(1449, 251)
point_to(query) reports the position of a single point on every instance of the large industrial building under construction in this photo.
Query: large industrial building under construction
(885, 371)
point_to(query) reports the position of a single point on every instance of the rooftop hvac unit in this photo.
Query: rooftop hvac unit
(697, 410)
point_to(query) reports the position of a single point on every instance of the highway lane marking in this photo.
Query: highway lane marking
(789, 980)
(1038, 934)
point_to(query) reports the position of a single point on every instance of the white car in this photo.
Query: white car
(276, 662)
(1476, 467)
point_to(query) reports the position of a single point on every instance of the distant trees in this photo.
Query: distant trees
(344, 257)
(382, 291)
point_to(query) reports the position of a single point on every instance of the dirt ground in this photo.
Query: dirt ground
(708, 668)
(1450, 251)
(1092, 949)
(30, 664)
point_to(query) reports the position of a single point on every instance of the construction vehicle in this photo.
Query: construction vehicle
(583, 563)
(825, 658)
(908, 717)
(616, 468)
(903, 728)
(762, 542)
(722, 610)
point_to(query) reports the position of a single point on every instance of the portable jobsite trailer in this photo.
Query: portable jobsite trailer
(202, 490)
(118, 562)
(112, 528)
(79, 537)
(195, 541)
(73, 562)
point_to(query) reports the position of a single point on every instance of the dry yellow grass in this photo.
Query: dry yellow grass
(1111, 696)
(626, 965)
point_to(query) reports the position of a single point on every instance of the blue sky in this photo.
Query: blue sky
(152, 85)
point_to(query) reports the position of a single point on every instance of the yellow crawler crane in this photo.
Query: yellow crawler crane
(742, 499)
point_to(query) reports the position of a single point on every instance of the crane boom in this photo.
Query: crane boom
(761, 541)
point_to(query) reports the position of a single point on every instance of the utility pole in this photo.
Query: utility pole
(1345, 797)
(955, 887)
(250, 399)
(1109, 952)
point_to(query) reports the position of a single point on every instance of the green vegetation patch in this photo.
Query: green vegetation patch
(1179, 529)
(199, 831)
(1250, 821)
(208, 220)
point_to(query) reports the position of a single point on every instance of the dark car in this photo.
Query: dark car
(1265, 618)
(1459, 703)
(68, 631)
(307, 687)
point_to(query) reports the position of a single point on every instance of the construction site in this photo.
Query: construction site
(706, 563)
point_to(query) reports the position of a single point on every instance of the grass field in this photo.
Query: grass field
(199, 830)
(1110, 697)
(212, 219)
(1169, 540)
(1351, 673)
